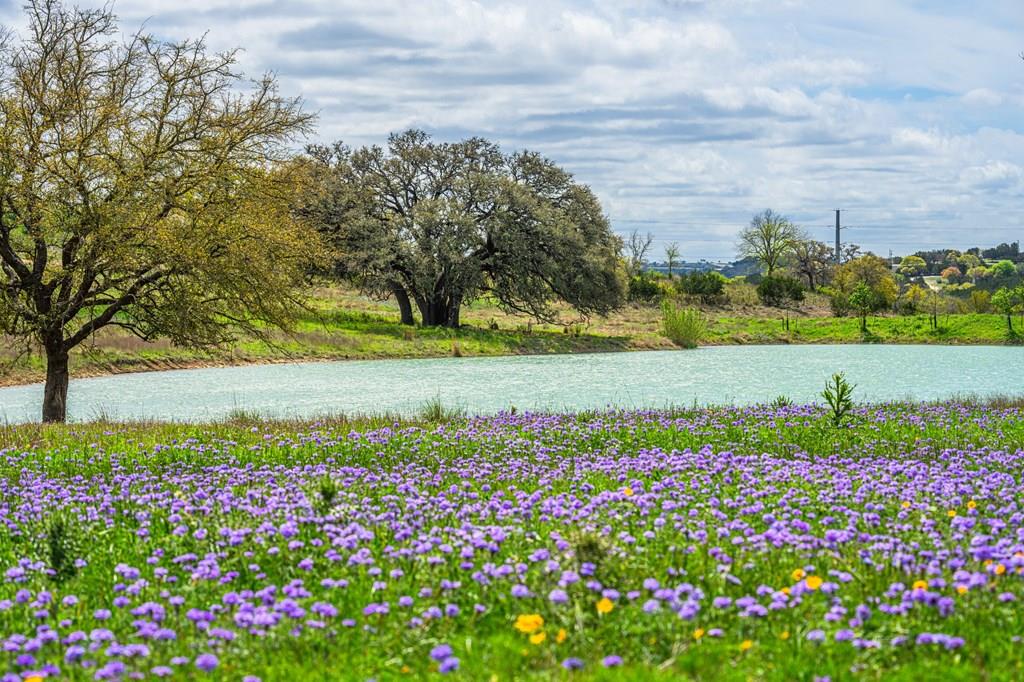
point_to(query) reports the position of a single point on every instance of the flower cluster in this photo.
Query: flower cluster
(551, 542)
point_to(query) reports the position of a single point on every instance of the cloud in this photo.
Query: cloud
(994, 176)
(685, 116)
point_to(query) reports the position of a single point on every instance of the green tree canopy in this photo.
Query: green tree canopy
(913, 266)
(768, 238)
(439, 224)
(875, 273)
(1008, 301)
(138, 189)
(1003, 269)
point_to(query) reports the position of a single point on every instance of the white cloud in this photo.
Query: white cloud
(688, 114)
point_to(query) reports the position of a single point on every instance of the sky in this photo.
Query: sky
(686, 117)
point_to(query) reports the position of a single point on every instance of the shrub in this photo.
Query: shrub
(643, 288)
(776, 290)
(708, 286)
(838, 394)
(838, 301)
(435, 412)
(683, 326)
(981, 301)
(740, 292)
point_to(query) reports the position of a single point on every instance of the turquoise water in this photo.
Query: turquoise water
(727, 374)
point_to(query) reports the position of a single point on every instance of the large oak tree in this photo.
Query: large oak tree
(435, 225)
(138, 188)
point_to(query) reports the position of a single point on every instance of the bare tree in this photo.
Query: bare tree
(671, 257)
(768, 238)
(813, 260)
(637, 247)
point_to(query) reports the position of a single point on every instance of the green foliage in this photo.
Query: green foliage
(876, 277)
(435, 225)
(464, 473)
(981, 301)
(912, 266)
(325, 495)
(838, 395)
(685, 327)
(1004, 269)
(143, 188)
(63, 544)
(708, 286)
(863, 300)
(644, 288)
(768, 238)
(434, 411)
(780, 402)
(1009, 301)
(779, 290)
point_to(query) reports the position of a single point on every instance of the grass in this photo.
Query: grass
(684, 327)
(967, 329)
(167, 526)
(346, 326)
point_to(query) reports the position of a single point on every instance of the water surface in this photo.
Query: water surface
(723, 374)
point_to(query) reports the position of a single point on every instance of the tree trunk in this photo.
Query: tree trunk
(404, 306)
(432, 313)
(454, 308)
(55, 393)
(1009, 322)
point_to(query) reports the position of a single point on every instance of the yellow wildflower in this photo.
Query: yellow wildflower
(906, 504)
(972, 504)
(920, 585)
(784, 590)
(406, 669)
(529, 623)
(628, 492)
(698, 633)
(961, 589)
(951, 513)
(746, 644)
(784, 635)
(560, 637)
(538, 637)
(605, 606)
(798, 574)
(1000, 569)
(813, 582)
(33, 678)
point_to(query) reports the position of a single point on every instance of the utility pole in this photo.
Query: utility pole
(839, 255)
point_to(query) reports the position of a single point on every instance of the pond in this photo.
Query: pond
(719, 375)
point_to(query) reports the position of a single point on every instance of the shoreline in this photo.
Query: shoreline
(14, 380)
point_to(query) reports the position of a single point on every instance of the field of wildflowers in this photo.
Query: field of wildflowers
(728, 543)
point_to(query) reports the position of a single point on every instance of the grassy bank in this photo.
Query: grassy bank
(346, 326)
(734, 544)
(965, 329)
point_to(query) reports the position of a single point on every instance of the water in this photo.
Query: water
(721, 375)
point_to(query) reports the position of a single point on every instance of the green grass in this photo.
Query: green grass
(114, 494)
(976, 329)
